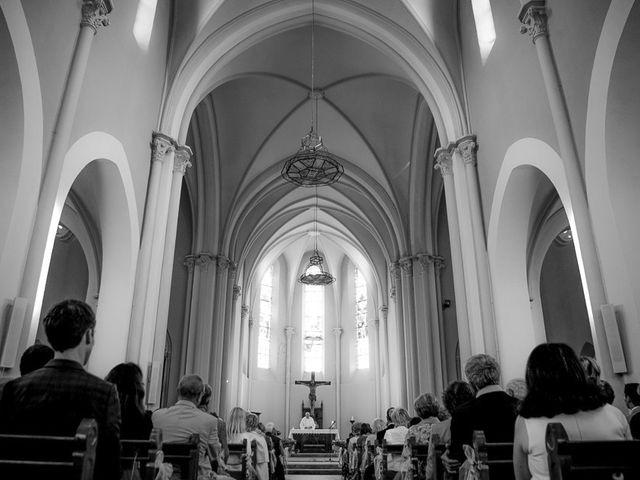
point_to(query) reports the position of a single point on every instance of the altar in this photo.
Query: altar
(318, 437)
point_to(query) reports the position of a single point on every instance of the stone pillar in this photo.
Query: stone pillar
(467, 148)
(94, 15)
(288, 331)
(198, 351)
(444, 163)
(190, 264)
(180, 164)
(243, 354)
(384, 347)
(533, 17)
(230, 369)
(376, 363)
(396, 294)
(410, 330)
(337, 332)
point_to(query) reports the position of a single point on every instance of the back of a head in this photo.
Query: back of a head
(591, 369)
(252, 422)
(631, 391)
(456, 394)
(269, 427)
(206, 397)
(190, 388)
(426, 405)
(127, 377)
(482, 370)
(35, 357)
(557, 383)
(389, 412)
(365, 429)
(517, 388)
(237, 421)
(356, 427)
(67, 322)
(400, 417)
(378, 425)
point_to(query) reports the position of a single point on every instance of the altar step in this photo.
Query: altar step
(313, 464)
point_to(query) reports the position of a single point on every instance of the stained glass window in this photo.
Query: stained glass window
(266, 312)
(362, 337)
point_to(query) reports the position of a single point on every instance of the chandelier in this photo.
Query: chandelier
(314, 273)
(313, 164)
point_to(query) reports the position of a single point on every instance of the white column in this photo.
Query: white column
(444, 164)
(242, 353)
(533, 17)
(337, 333)
(288, 331)
(411, 334)
(467, 148)
(384, 347)
(162, 152)
(375, 341)
(181, 162)
(198, 343)
(225, 270)
(190, 264)
(230, 368)
(94, 15)
(396, 295)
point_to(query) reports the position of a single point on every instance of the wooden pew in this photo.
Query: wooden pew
(394, 449)
(142, 452)
(495, 459)
(439, 472)
(183, 456)
(590, 460)
(418, 453)
(29, 457)
(238, 457)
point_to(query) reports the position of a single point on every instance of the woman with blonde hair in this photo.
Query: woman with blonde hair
(262, 452)
(236, 433)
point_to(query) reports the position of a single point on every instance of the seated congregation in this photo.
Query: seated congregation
(559, 423)
(59, 421)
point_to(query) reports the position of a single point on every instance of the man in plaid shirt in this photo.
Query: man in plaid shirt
(54, 399)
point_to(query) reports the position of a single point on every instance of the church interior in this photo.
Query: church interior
(486, 203)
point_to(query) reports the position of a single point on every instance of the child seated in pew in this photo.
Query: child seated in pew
(558, 391)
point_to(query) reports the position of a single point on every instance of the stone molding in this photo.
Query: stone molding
(237, 292)
(406, 266)
(161, 145)
(94, 14)
(182, 158)
(444, 161)
(468, 148)
(426, 259)
(533, 17)
(394, 273)
(244, 311)
(201, 259)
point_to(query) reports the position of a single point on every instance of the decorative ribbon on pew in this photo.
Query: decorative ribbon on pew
(165, 470)
(471, 466)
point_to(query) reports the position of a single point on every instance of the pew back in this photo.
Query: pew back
(495, 459)
(590, 460)
(439, 448)
(143, 453)
(393, 450)
(183, 456)
(238, 459)
(32, 456)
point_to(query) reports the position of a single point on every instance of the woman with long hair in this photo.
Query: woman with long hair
(136, 421)
(262, 451)
(558, 391)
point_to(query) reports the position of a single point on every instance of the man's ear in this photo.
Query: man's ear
(88, 336)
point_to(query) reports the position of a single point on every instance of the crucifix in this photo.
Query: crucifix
(312, 384)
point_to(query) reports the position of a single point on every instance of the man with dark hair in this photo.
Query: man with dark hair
(632, 399)
(54, 399)
(492, 410)
(184, 419)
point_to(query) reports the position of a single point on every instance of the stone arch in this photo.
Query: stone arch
(420, 62)
(102, 156)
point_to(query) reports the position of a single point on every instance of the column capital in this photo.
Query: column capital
(444, 161)
(222, 263)
(244, 311)
(406, 265)
(394, 273)
(427, 259)
(337, 331)
(468, 148)
(384, 311)
(237, 291)
(94, 14)
(181, 159)
(161, 145)
(289, 331)
(533, 16)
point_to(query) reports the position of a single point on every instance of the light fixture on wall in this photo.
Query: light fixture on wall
(314, 273)
(313, 164)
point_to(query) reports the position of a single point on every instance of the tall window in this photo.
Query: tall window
(313, 328)
(266, 312)
(362, 337)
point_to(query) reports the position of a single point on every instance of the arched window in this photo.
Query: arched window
(313, 328)
(362, 337)
(266, 312)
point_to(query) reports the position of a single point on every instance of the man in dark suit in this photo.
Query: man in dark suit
(632, 399)
(492, 410)
(54, 399)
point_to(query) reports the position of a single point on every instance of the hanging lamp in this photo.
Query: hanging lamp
(314, 273)
(312, 165)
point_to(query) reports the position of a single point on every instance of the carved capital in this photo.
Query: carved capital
(427, 259)
(190, 262)
(468, 148)
(376, 323)
(244, 311)
(289, 331)
(161, 145)
(204, 259)
(406, 265)
(533, 16)
(251, 322)
(222, 263)
(444, 161)
(384, 311)
(394, 273)
(181, 159)
(237, 291)
(337, 331)
(94, 14)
